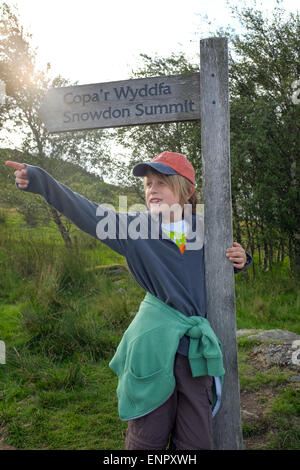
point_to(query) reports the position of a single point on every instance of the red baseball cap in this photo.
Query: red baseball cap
(168, 163)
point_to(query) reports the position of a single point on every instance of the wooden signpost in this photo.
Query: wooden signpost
(187, 97)
(124, 103)
(219, 276)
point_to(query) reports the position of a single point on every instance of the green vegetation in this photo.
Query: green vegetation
(270, 299)
(275, 400)
(62, 314)
(61, 320)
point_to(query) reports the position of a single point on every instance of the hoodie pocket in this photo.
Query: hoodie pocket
(149, 391)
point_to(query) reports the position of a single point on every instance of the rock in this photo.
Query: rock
(278, 335)
(279, 348)
(270, 355)
(245, 332)
(114, 268)
(294, 378)
(248, 414)
(282, 336)
(2, 352)
(132, 314)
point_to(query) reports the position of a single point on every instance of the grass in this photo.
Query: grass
(62, 316)
(270, 300)
(61, 320)
(71, 407)
(273, 398)
(279, 428)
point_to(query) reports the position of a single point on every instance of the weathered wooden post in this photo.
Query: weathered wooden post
(215, 131)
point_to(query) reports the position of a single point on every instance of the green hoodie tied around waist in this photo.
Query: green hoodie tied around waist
(144, 359)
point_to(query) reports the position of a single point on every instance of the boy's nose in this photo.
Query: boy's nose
(154, 186)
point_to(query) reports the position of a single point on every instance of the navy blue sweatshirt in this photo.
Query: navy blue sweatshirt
(154, 260)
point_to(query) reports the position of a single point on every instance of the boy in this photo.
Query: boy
(169, 359)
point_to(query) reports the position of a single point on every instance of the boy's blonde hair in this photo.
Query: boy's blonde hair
(179, 185)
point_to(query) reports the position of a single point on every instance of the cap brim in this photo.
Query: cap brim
(141, 168)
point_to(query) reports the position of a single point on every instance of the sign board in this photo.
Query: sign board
(123, 103)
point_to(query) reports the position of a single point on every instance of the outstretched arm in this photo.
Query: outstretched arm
(90, 217)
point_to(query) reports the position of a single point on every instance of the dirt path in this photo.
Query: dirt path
(5, 446)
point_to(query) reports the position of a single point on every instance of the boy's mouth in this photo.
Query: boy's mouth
(155, 200)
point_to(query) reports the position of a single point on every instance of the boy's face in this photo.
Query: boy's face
(160, 197)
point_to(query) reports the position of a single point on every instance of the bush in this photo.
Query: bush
(60, 333)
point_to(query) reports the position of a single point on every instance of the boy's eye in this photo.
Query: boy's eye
(149, 183)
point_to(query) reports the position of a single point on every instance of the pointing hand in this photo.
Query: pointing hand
(20, 174)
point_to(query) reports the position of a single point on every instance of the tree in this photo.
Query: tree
(264, 131)
(265, 122)
(144, 142)
(25, 88)
(263, 68)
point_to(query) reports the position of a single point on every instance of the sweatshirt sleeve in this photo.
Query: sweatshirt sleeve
(249, 261)
(102, 223)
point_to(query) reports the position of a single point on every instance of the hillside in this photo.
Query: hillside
(76, 177)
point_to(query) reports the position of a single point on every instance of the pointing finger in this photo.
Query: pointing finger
(16, 165)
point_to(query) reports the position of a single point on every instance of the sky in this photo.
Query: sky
(97, 41)
(94, 41)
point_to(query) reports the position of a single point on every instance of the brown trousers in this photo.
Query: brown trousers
(184, 421)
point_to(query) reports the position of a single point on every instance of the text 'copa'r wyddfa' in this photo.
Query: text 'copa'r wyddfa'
(128, 93)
